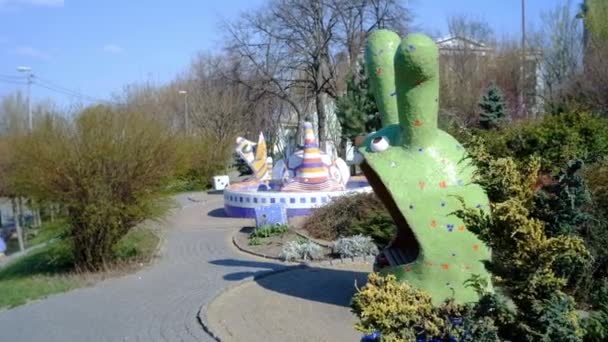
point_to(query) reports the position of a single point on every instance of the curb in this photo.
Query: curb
(201, 315)
(248, 251)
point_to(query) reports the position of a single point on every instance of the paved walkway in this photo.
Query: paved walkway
(159, 303)
(309, 304)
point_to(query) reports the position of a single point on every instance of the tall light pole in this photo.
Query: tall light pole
(28, 72)
(17, 205)
(185, 93)
(522, 99)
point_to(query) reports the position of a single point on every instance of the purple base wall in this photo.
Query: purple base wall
(250, 212)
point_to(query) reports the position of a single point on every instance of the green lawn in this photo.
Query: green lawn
(46, 232)
(49, 269)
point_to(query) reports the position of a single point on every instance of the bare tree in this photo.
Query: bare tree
(357, 18)
(561, 40)
(465, 61)
(294, 46)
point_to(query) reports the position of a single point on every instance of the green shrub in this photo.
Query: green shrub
(399, 311)
(596, 325)
(378, 225)
(562, 204)
(493, 108)
(351, 215)
(106, 169)
(269, 230)
(530, 265)
(205, 156)
(554, 139)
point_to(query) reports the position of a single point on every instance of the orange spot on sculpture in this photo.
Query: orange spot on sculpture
(445, 266)
(408, 269)
(433, 223)
(417, 123)
(476, 248)
(421, 184)
(461, 228)
(443, 184)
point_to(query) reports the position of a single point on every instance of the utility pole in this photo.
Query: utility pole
(522, 99)
(186, 123)
(18, 213)
(28, 72)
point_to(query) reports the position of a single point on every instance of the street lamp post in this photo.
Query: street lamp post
(17, 208)
(185, 93)
(28, 72)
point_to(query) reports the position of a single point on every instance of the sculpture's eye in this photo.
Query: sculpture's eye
(379, 144)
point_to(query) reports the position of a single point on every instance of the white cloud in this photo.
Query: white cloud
(30, 52)
(113, 48)
(44, 3)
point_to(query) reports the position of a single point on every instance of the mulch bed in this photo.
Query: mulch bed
(271, 246)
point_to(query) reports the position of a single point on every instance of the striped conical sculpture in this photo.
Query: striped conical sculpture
(313, 174)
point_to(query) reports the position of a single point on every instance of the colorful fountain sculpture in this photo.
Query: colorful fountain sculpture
(307, 179)
(419, 172)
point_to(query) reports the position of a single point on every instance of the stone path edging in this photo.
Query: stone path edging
(202, 312)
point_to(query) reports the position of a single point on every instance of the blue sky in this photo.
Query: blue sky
(95, 47)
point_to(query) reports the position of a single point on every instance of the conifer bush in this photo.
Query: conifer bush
(493, 108)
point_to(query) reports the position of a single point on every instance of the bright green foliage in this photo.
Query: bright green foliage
(493, 109)
(531, 266)
(556, 140)
(398, 310)
(356, 109)
(401, 312)
(268, 231)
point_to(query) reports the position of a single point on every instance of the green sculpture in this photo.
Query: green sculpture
(419, 171)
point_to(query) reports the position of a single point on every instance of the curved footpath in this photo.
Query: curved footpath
(158, 303)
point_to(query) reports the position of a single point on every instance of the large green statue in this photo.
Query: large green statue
(418, 171)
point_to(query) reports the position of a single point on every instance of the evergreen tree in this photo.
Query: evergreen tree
(356, 109)
(492, 107)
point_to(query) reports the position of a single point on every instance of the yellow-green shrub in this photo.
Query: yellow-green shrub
(396, 309)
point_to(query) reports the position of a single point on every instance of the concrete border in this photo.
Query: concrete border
(202, 312)
(201, 315)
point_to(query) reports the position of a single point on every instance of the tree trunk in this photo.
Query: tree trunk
(322, 120)
(17, 219)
